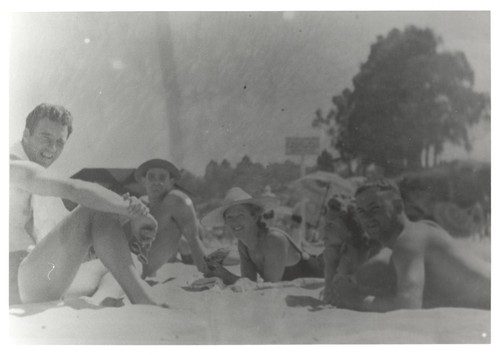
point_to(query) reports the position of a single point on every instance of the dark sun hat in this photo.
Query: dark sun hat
(141, 171)
(236, 196)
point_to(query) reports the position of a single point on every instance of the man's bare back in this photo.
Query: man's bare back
(455, 273)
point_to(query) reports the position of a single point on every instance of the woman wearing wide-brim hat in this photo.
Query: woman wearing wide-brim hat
(264, 251)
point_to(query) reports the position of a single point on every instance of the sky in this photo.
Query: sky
(236, 84)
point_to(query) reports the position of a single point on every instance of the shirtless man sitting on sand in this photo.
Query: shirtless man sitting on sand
(432, 269)
(42, 267)
(175, 213)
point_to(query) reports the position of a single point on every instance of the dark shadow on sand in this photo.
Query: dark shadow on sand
(154, 282)
(313, 304)
(313, 285)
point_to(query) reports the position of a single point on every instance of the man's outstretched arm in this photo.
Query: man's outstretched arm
(40, 181)
(410, 270)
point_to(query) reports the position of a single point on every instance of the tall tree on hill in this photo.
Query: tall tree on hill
(409, 98)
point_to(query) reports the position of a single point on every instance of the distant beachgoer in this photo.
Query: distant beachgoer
(44, 263)
(264, 251)
(175, 213)
(432, 269)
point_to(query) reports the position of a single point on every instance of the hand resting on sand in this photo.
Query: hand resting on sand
(343, 293)
(206, 284)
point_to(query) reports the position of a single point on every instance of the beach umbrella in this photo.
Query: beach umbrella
(319, 186)
(119, 180)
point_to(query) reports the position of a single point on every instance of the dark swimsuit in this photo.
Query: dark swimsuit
(307, 266)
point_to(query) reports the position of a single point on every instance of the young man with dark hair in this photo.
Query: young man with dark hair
(43, 264)
(175, 213)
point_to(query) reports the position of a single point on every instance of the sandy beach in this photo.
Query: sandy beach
(286, 313)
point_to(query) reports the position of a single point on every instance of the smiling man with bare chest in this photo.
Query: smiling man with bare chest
(175, 213)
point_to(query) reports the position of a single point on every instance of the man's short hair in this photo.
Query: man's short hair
(380, 185)
(54, 113)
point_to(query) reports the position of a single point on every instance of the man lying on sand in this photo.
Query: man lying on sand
(432, 269)
(44, 272)
(268, 252)
(175, 213)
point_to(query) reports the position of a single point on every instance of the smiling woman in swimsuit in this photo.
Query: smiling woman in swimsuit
(268, 252)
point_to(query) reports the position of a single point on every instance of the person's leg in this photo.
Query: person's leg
(164, 247)
(51, 267)
(87, 279)
(111, 247)
(15, 259)
(109, 293)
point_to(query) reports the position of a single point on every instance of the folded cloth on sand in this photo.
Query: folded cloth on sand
(205, 284)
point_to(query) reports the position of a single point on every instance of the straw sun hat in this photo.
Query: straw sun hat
(236, 196)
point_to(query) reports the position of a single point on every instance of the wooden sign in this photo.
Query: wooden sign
(301, 145)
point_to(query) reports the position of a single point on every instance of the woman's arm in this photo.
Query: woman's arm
(275, 256)
(247, 266)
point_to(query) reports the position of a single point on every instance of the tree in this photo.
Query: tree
(279, 175)
(409, 98)
(325, 162)
(249, 176)
(218, 179)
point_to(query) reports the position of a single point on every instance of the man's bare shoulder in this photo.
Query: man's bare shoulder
(412, 238)
(416, 235)
(177, 198)
(178, 205)
(431, 229)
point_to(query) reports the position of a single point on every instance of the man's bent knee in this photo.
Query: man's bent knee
(105, 220)
(96, 217)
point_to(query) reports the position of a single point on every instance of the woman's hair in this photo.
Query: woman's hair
(256, 211)
(346, 209)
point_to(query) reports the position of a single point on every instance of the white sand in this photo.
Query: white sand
(286, 315)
